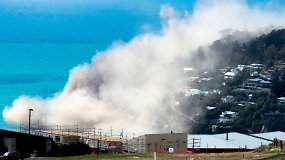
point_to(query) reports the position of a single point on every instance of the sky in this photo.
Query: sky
(84, 21)
(87, 20)
(167, 29)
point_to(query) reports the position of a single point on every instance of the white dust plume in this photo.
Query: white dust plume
(132, 85)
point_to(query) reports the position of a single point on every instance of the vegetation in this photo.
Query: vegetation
(269, 149)
(72, 149)
(266, 49)
(266, 114)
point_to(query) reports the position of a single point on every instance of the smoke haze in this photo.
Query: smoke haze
(132, 85)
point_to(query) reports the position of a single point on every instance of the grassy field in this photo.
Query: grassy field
(212, 156)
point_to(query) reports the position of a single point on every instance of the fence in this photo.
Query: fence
(279, 143)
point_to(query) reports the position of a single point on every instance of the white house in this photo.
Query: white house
(228, 99)
(228, 116)
(229, 75)
(281, 100)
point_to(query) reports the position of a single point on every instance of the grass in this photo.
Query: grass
(212, 156)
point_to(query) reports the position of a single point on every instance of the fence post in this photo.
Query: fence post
(274, 142)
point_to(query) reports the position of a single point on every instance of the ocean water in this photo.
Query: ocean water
(38, 69)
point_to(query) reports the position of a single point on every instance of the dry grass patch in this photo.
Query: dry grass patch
(211, 156)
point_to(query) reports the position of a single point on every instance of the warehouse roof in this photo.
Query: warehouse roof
(271, 135)
(235, 140)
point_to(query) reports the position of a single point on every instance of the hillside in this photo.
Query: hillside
(242, 89)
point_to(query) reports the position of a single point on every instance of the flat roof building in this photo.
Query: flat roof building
(200, 143)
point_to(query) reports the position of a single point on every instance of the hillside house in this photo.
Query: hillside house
(228, 99)
(245, 103)
(281, 100)
(228, 116)
(229, 75)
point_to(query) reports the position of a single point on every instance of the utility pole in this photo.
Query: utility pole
(100, 138)
(21, 127)
(30, 110)
(77, 130)
(127, 143)
(122, 135)
(60, 130)
(94, 136)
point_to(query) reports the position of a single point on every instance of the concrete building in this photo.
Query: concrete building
(160, 143)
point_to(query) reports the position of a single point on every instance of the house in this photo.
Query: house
(229, 75)
(281, 100)
(228, 116)
(273, 114)
(191, 92)
(256, 65)
(264, 84)
(254, 74)
(188, 70)
(241, 67)
(255, 80)
(245, 103)
(205, 80)
(257, 83)
(228, 99)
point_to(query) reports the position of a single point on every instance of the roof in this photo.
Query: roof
(256, 64)
(188, 69)
(190, 92)
(230, 74)
(266, 82)
(271, 135)
(235, 140)
(255, 80)
(12, 134)
(281, 98)
(229, 112)
(211, 107)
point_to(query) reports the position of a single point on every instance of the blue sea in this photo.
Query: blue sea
(38, 69)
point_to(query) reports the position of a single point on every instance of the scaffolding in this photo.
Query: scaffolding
(101, 139)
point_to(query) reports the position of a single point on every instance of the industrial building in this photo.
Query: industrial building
(225, 142)
(148, 143)
(25, 143)
(161, 143)
(271, 135)
(97, 141)
(201, 143)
